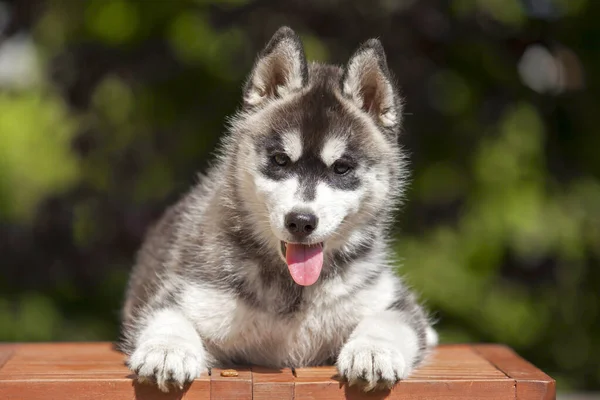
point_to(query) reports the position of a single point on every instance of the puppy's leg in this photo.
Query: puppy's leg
(384, 348)
(168, 350)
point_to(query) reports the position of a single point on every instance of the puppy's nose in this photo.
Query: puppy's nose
(301, 224)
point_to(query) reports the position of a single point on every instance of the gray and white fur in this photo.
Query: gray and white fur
(211, 287)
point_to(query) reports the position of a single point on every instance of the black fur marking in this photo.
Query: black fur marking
(321, 112)
(167, 300)
(402, 303)
(308, 188)
(341, 258)
(269, 144)
(311, 170)
(241, 289)
(273, 271)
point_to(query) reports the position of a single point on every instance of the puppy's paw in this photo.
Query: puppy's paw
(372, 364)
(167, 360)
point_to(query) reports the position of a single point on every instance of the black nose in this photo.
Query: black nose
(301, 224)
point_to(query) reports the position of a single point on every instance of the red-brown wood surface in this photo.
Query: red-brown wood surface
(231, 388)
(531, 382)
(94, 371)
(270, 384)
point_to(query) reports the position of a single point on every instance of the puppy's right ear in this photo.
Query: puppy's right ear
(368, 83)
(279, 70)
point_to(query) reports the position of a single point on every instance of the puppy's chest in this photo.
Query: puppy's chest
(236, 330)
(307, 336)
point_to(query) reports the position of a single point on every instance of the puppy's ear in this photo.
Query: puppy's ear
(367, 82)
(279, 70)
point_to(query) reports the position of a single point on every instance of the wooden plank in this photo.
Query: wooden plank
(271, 384)
(318, 383)
(197, 390)
(455, 372)
(113, 389)
(231, 388)
(452, 372)
(6, 353)
(96, 371)
(68, 352)
(531, 383)
(324, 383)
(449, 363)
(502, 389)
(48, 371)
(61, 389)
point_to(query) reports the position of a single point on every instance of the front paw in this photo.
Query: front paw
(372, 364)
(168, 360)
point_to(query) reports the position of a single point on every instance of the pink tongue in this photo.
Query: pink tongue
(304, 263)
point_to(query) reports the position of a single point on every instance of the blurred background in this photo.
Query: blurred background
(109, 108)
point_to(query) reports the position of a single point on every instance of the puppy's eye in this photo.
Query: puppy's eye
(341, 167)
(280, 159)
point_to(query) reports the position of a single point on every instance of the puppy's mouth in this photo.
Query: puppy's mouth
(304, 261)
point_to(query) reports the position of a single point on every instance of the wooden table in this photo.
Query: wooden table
(93, 371)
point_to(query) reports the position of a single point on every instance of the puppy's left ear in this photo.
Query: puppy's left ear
(279, 70)
(368, 83)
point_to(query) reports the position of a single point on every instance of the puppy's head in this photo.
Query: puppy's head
(318, 164)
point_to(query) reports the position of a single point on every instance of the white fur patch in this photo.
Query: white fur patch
(388, 119)
(333, 149)
(292, 145)
(381, 351)
(168, 349)
(230, 328)
(432, 337)
(330, 205)
(254, 96)
(279, 197)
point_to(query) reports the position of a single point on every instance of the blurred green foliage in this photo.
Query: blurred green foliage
(31, 144)
(500, 233)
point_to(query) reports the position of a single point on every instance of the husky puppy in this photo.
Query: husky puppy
(280, 256)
